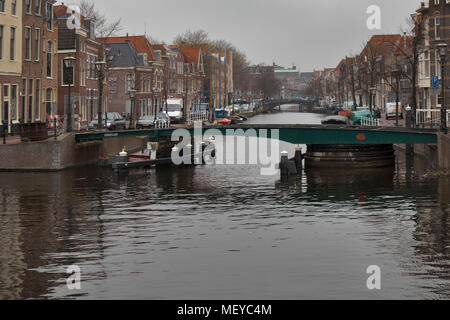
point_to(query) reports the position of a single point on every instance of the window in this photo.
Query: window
(37, 44)
(23, 94)
(1, 42)
(49, 59)
(49, 15)
(28, 6)
(37, 100)
(48, 101)
(12, 51)
(30, 97)
(437, 26)
(37, 7)
(130, 82)
(27, 43)
(67, 75)
(14, 109)
(2, 5)
(13, 7)
(6, 102)
(427, 63)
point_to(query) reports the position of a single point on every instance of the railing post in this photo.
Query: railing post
(5, 128)
(54, 129)
(408, 121)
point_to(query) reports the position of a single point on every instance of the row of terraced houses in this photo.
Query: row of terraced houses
(390, 65)
(35, 38)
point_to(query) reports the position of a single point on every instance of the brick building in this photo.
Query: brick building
(432, 22)
(129, 70)
(149, 76)
(80, 43)
(39, 87)
(10, 60)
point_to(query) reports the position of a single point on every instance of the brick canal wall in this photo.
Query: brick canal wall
(49, 155)
(437, 156)
(63, 153)
(112, 146)
(443, 157)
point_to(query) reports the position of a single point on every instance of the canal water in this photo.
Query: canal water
(225, 232)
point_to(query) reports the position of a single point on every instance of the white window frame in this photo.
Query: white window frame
(37, 44)
(28, 49)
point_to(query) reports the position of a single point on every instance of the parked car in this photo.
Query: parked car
(114, 121)
(148, 121)
(391, 110)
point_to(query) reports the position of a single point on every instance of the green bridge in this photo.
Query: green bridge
(295, 134)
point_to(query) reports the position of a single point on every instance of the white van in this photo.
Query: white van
(175, 109)
(391, 110)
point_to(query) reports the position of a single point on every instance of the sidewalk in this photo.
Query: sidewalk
(391, 121)
(10, 139)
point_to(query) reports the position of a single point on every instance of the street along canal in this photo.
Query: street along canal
(225, 232)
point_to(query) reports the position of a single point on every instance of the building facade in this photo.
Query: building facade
(432, 22)
(39, 87)
(81, 79)
(10, 60)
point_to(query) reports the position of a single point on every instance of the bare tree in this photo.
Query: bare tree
(104, 27)
(410, 50)
(198, 37)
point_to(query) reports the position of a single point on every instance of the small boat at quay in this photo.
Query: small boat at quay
(336, 120)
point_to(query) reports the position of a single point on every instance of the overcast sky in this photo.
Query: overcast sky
(313, 34)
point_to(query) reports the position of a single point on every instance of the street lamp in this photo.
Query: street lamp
(442, 47)
(132, 93)
(373, 91)
(101, 69)
(69, 72)
(396, 74)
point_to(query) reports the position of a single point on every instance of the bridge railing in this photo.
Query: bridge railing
(162, 124)
(195, 116)
(429, 118)
(370, 122)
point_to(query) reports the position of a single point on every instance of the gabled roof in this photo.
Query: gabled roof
(125, 55)
(192, 54)
(404, 46)
(378, 44)
(140, 43)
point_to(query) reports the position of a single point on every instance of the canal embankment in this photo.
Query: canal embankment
(437, 156)
(63, 152)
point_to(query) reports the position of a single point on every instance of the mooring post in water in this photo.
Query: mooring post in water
(409, 124)
(298, 159)
(284, 171)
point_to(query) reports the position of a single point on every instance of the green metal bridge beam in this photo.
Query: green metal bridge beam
(295, 134)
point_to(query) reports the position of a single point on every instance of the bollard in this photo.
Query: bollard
(284, 170)
(123, 156)
(55, 129)
(409, 147)
(5, 129)
(189, 147)
(175, 153)
(298, 159)
(409, 119)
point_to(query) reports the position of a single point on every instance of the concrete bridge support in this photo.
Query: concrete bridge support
(443, 157)
(350, 156)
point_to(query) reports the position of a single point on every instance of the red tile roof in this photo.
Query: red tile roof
(378, 44)
(192, 54)
(140, 43)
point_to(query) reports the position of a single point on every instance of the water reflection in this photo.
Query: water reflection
(224, 232)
